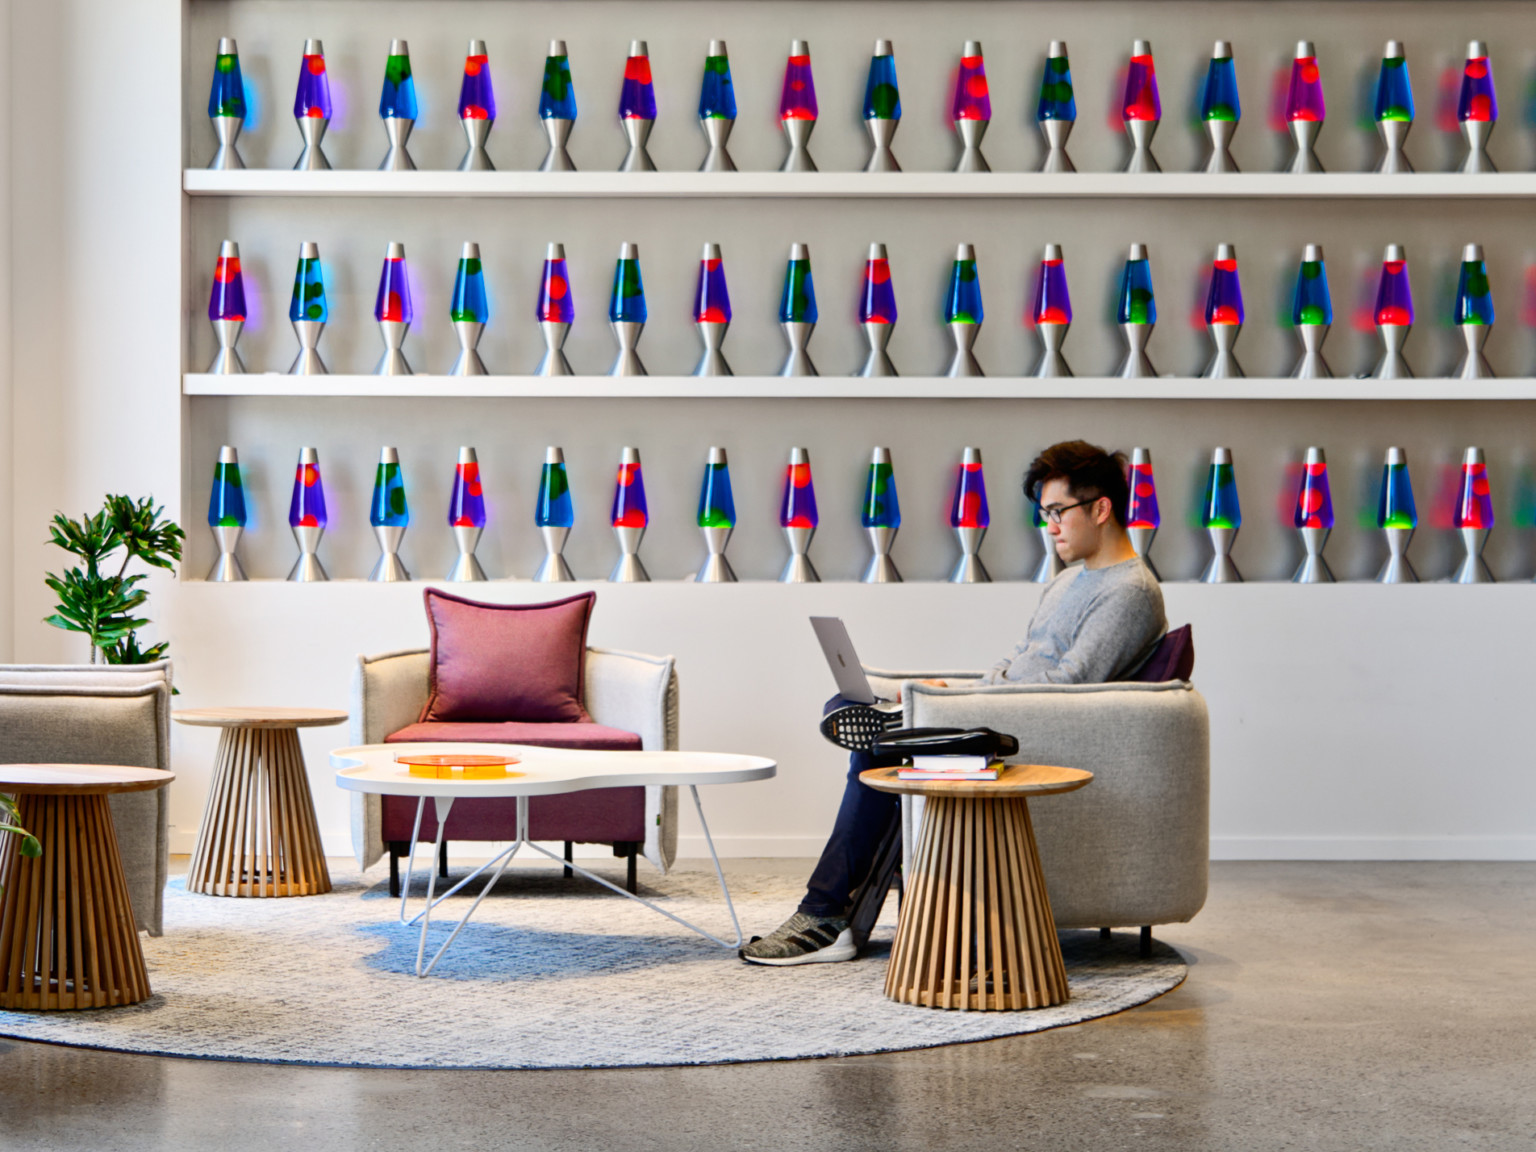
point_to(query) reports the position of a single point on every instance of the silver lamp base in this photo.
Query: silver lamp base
(798, 133)
(1141, 541)
(716, 569)
(1052, 363)
(878, 362)
(1136, 365)
(466, 568)
(554, 362)
(389, 568)
(964, 362)
(1473, 569)
(637, 159)
(1312, 366)
(1397, 569)
(712, 362)
(557, 159)
(307, 569)
(1474, 365)
(553, 569)
(627, 363)
(1223, 365)
(971, 159)
(969, 569)
(397, 159)
(1304, 133)
(1313, 569)
(881, 569)
(629, 569)
(1050, 565)
(468, 362)
(1056, 158)
(798, 362)
(881, 133)
(1141, 158)
(312, 158)
(1393, 365)
(1393, 133)
(476, 158)
(1476, 133)
(393, 362)
(227, 130)
(1220, 133)
(717, 131)
(1220, 569)
(799, 569)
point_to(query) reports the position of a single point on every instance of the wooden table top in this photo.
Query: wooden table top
(79, 779)
(259, 717)
(1012, 780)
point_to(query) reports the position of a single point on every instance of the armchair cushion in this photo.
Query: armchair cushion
(507, 662)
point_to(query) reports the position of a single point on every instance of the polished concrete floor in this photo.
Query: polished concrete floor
(1328, 1006)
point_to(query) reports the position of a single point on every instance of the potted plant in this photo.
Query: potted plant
(103, 604)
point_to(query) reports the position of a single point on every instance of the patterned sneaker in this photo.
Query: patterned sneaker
(803, 939)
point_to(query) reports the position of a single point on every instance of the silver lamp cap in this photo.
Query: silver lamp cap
(717, 48)
(395, 251)
(1393, 51)
(1222, 50)
(965, 252)
(883, 48)
(229, 250)
(309, 250)
(389, 455)
(1053, 252)
(880, 456)
(1058, 49)
(717, 455)
(971, 456)
(1226, 252)
(467, 455)
(477, 48)
(1141, 456)
(628, 251)
(1138, 252)
(1141, 48)
(972, 48)
(1304, 49)
(314, 48)
(877, 252)
(799, 251)
(1470, 456)
(1471, 253)
(1221, 456)
(799, 456)
(799, 47)
(638, 48)
(227, 455)
(1396, 455)
(629, 455)
(557, 48)
(399, 48)
(1315, 456)
(1395, 252)
(470, 252)
(309, 455)
(555, 252)
(553, 455)
(1476, 49)
(711, 252)
(227, 46)
(1312, 252)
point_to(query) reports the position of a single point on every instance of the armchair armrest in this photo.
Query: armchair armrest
(388, 693)
(888, 684)
(635, 692)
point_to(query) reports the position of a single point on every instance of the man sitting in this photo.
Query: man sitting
(1096, 623)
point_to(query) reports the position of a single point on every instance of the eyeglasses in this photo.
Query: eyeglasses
(1055, 512)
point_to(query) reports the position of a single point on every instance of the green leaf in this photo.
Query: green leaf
(147, 537)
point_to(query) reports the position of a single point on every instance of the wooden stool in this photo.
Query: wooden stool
(67, 936)
(259, 836)
(976, 930)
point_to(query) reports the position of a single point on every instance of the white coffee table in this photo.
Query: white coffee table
(543, 772)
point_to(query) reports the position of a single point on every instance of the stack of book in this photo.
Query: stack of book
(950, 768)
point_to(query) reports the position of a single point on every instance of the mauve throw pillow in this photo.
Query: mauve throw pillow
(522, 662)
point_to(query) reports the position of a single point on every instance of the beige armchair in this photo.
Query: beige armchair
(625, 690)
(101, 714)
(1131, 849)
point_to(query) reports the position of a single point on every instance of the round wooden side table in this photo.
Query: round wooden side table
(67, 936)
(976, 930)
(259, 836)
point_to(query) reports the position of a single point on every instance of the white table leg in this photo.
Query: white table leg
(719, 873)
(505, 857)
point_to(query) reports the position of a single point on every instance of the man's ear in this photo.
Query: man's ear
(1103, 510)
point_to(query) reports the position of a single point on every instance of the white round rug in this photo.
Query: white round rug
(550, 973)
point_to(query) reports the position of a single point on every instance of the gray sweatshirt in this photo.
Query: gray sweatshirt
(1092, 626)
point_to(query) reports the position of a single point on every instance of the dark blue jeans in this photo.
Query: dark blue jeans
(863, 820)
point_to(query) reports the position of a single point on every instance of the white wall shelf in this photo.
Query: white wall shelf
(854, 185)
(853, 387)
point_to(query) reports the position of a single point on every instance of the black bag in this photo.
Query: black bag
(945, 742)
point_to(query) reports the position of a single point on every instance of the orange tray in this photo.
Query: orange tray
(459, 767)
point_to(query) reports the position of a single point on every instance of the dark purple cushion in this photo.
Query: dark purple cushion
(507, 662)
(583, 735)
(1172, 659)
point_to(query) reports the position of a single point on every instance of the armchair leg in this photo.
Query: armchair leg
(396, 850)
(442, 861)
(632, 881)
(568, 858)
(1146, 941)
(1103, 933)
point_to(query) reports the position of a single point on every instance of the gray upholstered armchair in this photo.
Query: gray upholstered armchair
(101, 714)
(1133, 847)
(629, 691)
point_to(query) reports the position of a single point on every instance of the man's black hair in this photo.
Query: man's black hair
(1090, 472)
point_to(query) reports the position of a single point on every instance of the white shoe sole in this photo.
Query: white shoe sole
(843, 948)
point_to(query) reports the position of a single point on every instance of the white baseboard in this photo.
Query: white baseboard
(1373, 847)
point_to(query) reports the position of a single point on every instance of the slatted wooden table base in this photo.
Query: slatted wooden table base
(976, 930)
(259, 836)
(67, 934)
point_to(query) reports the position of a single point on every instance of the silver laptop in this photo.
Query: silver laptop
(852, 684)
